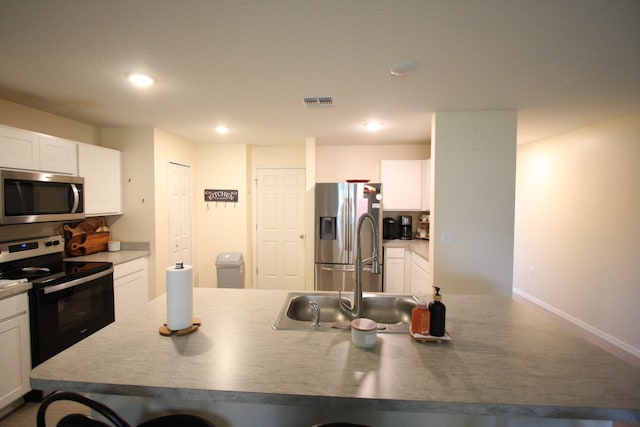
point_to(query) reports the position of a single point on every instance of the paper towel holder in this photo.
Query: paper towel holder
(195, 324)
(166, 332)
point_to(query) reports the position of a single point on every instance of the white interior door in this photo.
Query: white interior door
(280, 228)
(179, 188)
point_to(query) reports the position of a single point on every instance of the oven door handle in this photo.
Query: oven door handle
(77, 282)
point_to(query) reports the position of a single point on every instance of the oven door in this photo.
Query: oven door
(65, 313)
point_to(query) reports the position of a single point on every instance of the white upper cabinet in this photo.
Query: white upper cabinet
(426, 185)
(20, 148)
(100, 168)
(405, 184)
(58, 155)
(23, 149)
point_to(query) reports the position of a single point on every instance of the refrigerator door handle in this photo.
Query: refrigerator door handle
(346, 226)
(344, 268)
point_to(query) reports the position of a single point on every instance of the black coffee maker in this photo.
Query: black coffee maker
(390, 229)
(406, 230)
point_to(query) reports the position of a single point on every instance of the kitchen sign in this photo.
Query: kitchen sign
(221, 196)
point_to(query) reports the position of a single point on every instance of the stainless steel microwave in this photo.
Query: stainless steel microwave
(27, 197)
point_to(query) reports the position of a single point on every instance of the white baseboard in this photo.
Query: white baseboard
(610, 343)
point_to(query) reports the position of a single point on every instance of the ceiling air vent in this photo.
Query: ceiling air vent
(317, 101)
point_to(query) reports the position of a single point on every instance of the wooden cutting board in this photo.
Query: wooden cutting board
(88, 243)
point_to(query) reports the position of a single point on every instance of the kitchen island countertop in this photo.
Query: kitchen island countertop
(506, 358)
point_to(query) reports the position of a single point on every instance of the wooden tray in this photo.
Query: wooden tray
(429, 338)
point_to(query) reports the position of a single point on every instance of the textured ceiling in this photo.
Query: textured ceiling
(562, 64)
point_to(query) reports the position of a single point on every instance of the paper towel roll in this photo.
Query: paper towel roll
(179, 297)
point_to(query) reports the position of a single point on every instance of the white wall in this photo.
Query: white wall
(137, 224)
(220, 227)
(473, 162)
(578, 227)
(23, 117)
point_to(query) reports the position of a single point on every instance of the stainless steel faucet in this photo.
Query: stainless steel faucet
(316, 314)
(356, 310)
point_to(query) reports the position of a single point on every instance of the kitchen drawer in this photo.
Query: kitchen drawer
(14, 306)
(129, 267)
(394, 252)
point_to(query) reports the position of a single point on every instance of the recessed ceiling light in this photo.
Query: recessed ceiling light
(373, 126)
(404, 68)
(222, 130)
(140, 79)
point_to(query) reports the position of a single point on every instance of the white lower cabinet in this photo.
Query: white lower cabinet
(405, 272)
(394, 270)
(15, 349)
(420, 276)
(130, 286)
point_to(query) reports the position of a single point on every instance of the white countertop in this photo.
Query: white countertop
(115, 258)
(14, 290)
(505, 358)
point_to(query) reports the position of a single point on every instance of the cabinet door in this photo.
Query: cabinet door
(130, 286)
(393, 270)
(58, 155)
(394, 275)
(402, 184)
(15, 352)
(420, 280)
(100, 168)
(426, 185)
(19, 148)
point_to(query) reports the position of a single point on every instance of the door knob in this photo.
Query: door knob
(301, 236)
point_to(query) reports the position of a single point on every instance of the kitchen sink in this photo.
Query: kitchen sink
(391, 312)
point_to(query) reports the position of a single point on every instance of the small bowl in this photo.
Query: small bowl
(364, 332)
(113, 245)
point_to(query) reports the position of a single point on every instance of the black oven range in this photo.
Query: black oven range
(68, 301)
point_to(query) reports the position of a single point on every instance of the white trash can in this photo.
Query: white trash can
(230, 269)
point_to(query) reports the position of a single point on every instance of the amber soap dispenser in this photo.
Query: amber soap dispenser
(420, 317)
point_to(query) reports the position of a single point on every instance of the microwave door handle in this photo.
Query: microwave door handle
(76, 198)
(77, 282)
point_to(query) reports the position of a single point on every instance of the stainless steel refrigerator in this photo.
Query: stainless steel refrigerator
(338, 208)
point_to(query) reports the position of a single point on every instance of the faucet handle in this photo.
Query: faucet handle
(375, 267)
